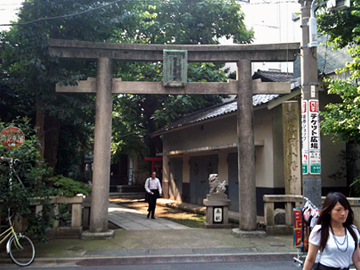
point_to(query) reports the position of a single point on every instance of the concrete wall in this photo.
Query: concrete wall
(264, 154)
(222, 132)
(214, 133)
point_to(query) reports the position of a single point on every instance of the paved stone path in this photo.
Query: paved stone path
(130, 219)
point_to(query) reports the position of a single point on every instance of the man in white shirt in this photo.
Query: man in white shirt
(153, 188)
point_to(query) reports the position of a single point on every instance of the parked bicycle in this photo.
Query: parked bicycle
(19, 247)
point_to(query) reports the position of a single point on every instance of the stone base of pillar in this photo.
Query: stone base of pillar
(217, 208)
(279, 230)
(213, 226)
(87, 235)
(64, 233)
(248, 234)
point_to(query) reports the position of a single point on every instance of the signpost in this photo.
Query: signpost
(304, 137)
(12, 137)
(311, 166)
(314, 135)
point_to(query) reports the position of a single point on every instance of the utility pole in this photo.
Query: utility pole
(311, 161)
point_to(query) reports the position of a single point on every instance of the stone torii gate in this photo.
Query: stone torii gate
(104, 86)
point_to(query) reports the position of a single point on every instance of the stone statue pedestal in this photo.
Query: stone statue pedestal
(217, 208)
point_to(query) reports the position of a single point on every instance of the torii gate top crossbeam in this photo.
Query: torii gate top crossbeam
(154, 52)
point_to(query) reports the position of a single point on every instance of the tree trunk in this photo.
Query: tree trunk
(52, 132)
(150, 104)
(40, 118)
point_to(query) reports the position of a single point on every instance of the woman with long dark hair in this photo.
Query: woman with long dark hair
(335, 236)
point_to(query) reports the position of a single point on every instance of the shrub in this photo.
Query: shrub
(27, 183)
(64, 186)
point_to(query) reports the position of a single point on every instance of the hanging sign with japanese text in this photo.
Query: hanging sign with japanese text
(314, 137)
(297, 227)
(304, 137)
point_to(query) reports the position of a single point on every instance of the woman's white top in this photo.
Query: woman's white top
(332, 256)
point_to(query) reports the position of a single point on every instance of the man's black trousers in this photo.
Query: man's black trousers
(152, 201)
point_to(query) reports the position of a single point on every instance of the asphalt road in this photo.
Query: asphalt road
(272, 265)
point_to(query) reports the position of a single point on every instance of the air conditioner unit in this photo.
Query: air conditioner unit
(335, 5)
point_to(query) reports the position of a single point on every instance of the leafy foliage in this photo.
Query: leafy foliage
(341, 26)
(68, 187)
(171, 22)
(189, 22)
(341, 119)
(18, 195)
(29, 74)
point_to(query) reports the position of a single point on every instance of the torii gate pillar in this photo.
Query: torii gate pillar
(102, 148)
(246, 154)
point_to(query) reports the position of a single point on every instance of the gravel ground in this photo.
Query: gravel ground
(188, 219)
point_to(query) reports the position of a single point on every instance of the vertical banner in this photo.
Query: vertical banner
(314, 137)
(297, 227)
(305, 137)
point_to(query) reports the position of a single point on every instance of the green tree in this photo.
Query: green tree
(19, 188)
(29, 74)
(341, 119)
(342, 26)
(29, 71)
(177, 22)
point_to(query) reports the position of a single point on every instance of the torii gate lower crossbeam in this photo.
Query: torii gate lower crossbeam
(242, 54)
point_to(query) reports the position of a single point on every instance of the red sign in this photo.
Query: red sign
(303, 107)
(297, 227)
(314, 106)
(12, 137)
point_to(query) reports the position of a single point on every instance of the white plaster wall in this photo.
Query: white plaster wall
(273, 22)
(214, 133)
(269, 157)
(223, 170)
(186, 169)
(264, 154)
(222, 132)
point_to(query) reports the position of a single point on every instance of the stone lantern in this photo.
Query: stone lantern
(217, 204)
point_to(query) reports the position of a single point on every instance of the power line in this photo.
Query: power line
(63, 16)
(112, 3)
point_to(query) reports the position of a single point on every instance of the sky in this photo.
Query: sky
(8, 9)
(260, 14)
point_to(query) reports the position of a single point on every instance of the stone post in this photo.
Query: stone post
(101, 174)
(246, 149)
(292, 152)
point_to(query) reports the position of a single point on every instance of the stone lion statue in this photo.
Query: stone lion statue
(215, 184)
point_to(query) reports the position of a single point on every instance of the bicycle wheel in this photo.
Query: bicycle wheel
(24, 255)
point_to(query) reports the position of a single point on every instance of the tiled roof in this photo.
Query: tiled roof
(272, 76)
(214, 111)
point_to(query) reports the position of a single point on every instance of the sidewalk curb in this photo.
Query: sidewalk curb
(160, 259)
